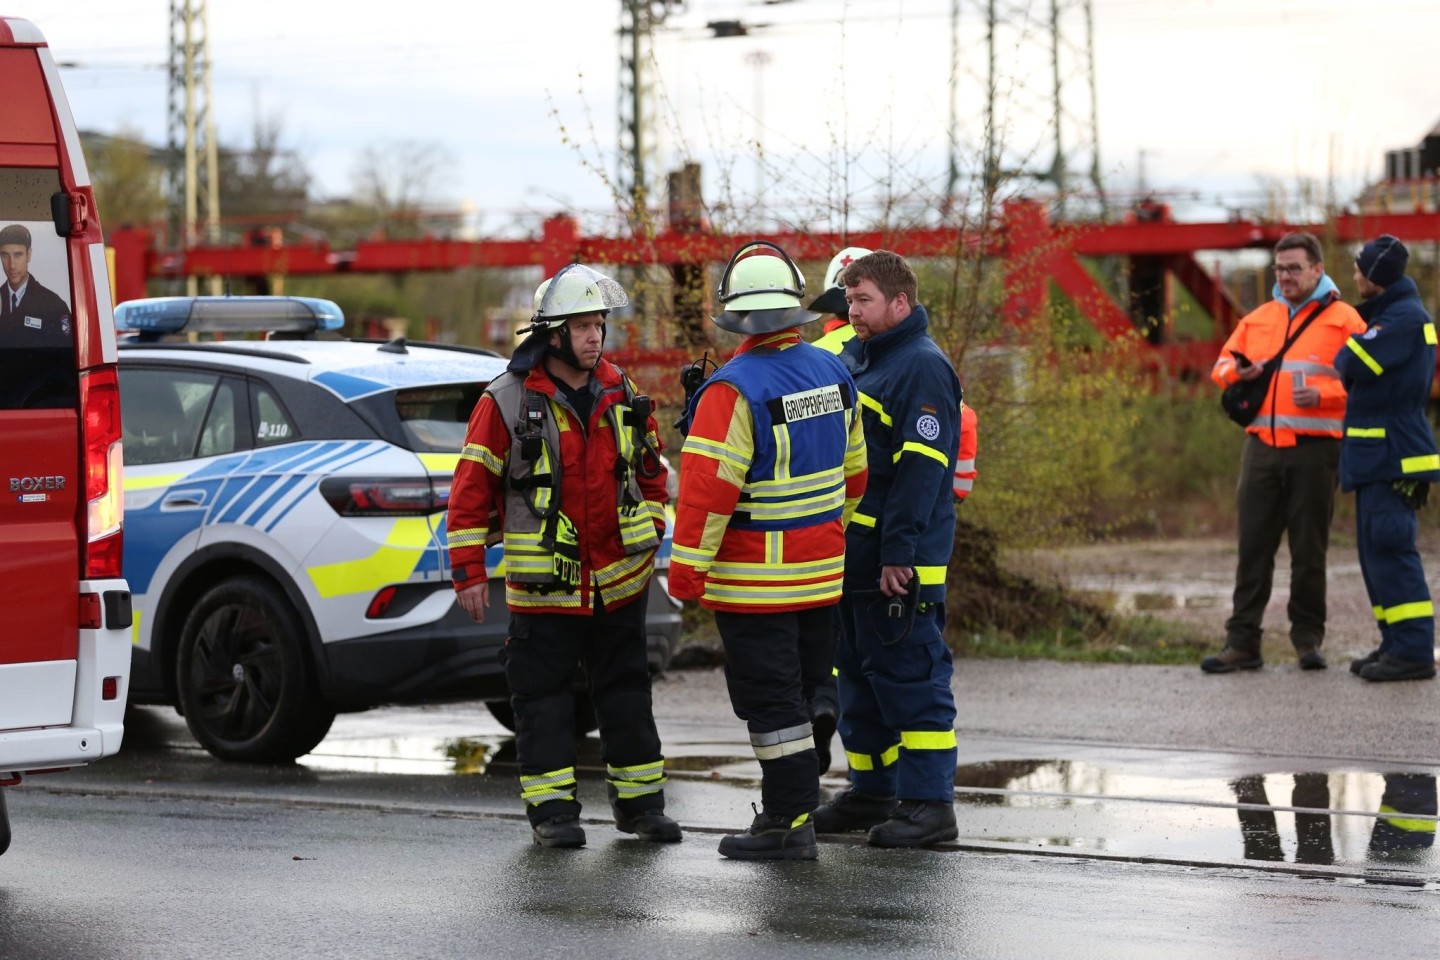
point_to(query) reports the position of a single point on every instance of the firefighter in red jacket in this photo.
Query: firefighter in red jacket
(561, 462)
(772, 466)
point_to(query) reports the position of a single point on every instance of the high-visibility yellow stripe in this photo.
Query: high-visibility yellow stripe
(1409, 611)
(1430, 334)
(930, 575)
(864, 519)
(392, 562)
(439, 462)
(927, 739)
(912, 447)
(482, 456)
(874, 406)
(133, 482)
(1360, 352)
(1420, 464)
(865, 761)
(1380, 614)
(1375, 432)
(1408, 824)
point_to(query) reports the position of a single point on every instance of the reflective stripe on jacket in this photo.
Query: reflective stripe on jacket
(592, 538)
(1260, 335)
(773, 464)
(835, 339)
(1387, 371)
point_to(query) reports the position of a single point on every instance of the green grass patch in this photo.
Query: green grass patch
(1116, 639)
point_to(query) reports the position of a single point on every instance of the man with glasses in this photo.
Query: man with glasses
(1288, 469)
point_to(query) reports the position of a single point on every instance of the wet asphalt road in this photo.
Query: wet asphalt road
(402, 837)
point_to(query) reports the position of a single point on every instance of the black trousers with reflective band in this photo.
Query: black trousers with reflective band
(540, 657)
(774, 661)
(1289, 492)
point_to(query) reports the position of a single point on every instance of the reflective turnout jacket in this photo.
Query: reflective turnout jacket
(1387, 371)
(1260, 335)
(772, 466)
(575, 514)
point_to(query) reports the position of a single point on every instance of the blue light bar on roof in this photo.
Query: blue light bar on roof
(161, 315)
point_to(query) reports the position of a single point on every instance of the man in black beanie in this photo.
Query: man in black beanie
(1389, 458)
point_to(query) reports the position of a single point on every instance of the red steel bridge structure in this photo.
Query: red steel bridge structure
(1035, 251)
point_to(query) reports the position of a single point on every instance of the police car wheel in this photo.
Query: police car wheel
(585, 722)
(243, 675)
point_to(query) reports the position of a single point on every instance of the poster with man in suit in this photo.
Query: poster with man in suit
(31, 314)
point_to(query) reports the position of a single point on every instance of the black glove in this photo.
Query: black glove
(1414, 492)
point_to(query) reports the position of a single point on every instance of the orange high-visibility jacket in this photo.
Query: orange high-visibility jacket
(1260, 335)
(965, 472)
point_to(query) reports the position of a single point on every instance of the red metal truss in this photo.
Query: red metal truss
(1036, 253)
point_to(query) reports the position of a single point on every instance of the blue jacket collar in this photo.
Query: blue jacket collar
(1399, 290)
(916, 324)
(1324, 288)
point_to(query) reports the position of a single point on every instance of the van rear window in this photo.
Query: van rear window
(435, 418)
(37, 329)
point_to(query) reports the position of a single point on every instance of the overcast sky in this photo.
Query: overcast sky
(520, 98)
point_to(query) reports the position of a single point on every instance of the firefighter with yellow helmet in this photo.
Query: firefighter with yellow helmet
(772, 466)
(561, 462)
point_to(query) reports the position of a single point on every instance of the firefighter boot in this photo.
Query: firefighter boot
(561, 831)
(916, 823)
(773, 837)
(1393, 668)
(849, 810)
(1361, 663)
(650, 825)
(1231, 659)
(1310, 657)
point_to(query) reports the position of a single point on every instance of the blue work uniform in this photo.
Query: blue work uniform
(897, 711)
(1386, 372)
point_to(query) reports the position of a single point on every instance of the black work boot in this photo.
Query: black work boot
(1393, 668)
(850, 810)
(650, 825)
(561, 831)
(1360, 663)
(773, 837)
(1231, 659)
(1310, 658)
(916, 823)
(824, 731)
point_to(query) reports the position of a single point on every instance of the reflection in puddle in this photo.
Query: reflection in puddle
(1331, 818)
(423, 755)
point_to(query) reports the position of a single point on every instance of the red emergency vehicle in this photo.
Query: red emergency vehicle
(66, 622)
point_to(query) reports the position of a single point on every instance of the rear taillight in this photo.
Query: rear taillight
(104, 494)
(407, 497)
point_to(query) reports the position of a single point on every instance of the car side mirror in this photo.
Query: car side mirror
(60, 213)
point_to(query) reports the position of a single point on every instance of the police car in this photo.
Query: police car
(285, 523)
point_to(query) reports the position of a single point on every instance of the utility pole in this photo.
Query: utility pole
(1068, 104)
(759, 59)
(638, 21)
(192, 161)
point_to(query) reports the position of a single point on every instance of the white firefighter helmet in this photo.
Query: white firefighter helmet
(832, 300)
(574, 290)
(761, 293)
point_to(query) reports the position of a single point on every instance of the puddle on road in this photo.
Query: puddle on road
(1348, 818)
(1384, 821)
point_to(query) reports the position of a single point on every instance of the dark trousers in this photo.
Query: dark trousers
(1283, 491)
(773, 663)
(1394, 577)
(540, 657)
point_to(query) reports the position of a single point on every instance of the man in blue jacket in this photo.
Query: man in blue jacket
(1388, 457)
(897, 712)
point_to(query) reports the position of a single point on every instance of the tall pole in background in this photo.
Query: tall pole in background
(759, 59)
(952, 177)
(638, 21)
(192, 161)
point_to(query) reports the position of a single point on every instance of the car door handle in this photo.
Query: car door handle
(183, 498)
